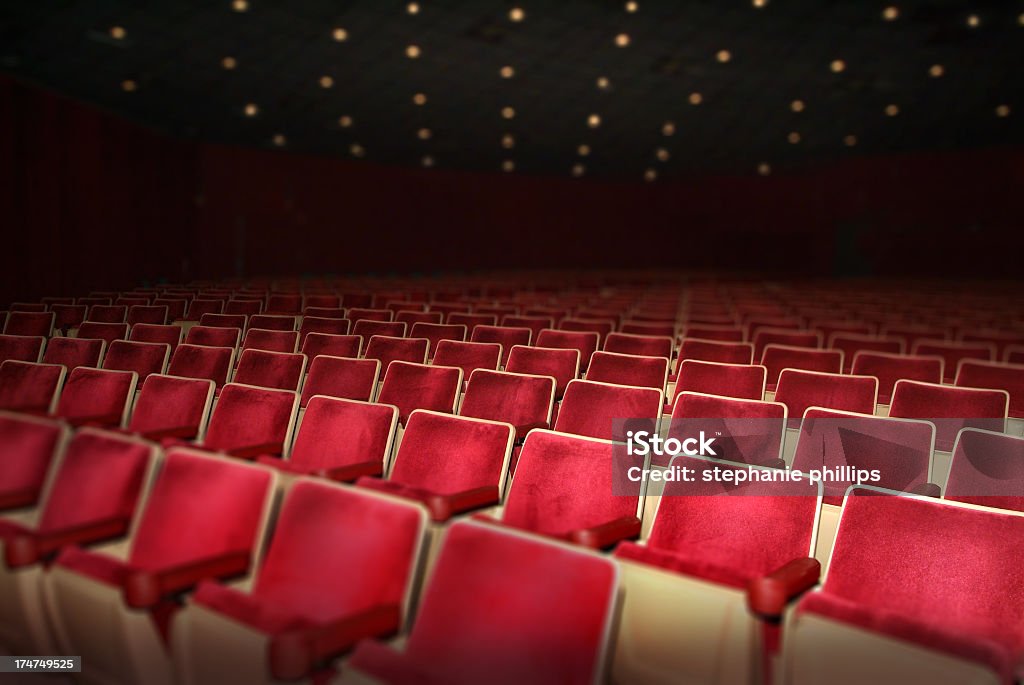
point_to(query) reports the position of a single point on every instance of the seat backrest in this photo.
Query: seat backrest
(561, 364)
(1001, 339)
(210, 336)
(535, 323)
(506, 336)
(387, 349)
(715, 378)
(628, 369)
(600, 326)
(714, 332)
(1009, 377)
(586, 342)
(418, 386)
(315, 324)
(147, 314)
(720, 351)
(22, 348)
(321, 301)
(649, 328)
(246, 307)
(141, 357)
(67, 316)
(642, 345)
(169, 335)
(343, 377)
(172, 406)
(606, 411)
(202, 361)
(779, 357)
(468, 356)
(367, 328)
(889, 368)
(851, 344)
(102, 476)
(317, 344)
(239, 321)
(523, 400)
(270, 369)
(30, 387)
(900, 450)
(28, 447)
(950, 408)
(223, 504)
(74, 352)
(97, 396)
(471, 321)
(799, 390)
(199, 306)
(435, 332)
(411, 318)
(108, 332)
(746, 431)
(101, 313)
(987, 469)
(270, 340)
(953, 353)
(789, 338)
(284, 303)
(247, 416)
(339, 432)
(273, 322)
(564, 646)
(175, 307)
(357, 314)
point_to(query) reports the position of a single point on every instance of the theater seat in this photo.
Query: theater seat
(102, 313)
(889, 368)
(435, 333)
(239, 321)
(471, 321)
(607, 411)
(21, 348)
(367, 328)
(628, 369)
(412, 318)
(270, 340)
(284, 303)
(97, 397)
(523, 400)
(450, 464)
(244, 307)
(270, 369)
(31, 324)
(746, 431)
(535, 323)
(92, 498)
(342, 377)
(927, 599)
(386, 349)
(950, 408)
(273, 322)
(357, 314)
(505, 336)
(850, 345)
(716, 351)
(496, 590)
(314, 324)
(642, 345)
(74, 352)
(340, 569)
(108, 332)
(799, 390)
(172, 407)
(720, 333)
(714, 550)
(779, 357)
(147, 314)
(586, 342)
(785, 337)
(953, 353)
(249, 422)
(317, 344)
(114, 605)
(562, 365)
(169, 335)
(742, 381)
(418, 386)
(202, 361)
(987, 469)
(141, 357)
(67, 316)
(340, 439)
(212, 336)
(28, 447)
(468, 356)
(1008, 377)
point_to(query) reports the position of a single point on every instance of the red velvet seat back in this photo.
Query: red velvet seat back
(147, 314)
(239, 321)
(564, 483)
(101, 313)
(714, 378)
(533, 612)
(170, 403)
(771, 336)
(271, 341)
(471, 321)
(953, 353)
(779, 357)
(412, 318)
(244, 307)
(750, 430)
(647, 328)
(447, 454)
(387, 349)
(1008, 377)
(284, 303)
(317, 344)
(367, 328)
(435, 333)
(987, 469)
(505, 336)
(342, 377)
(21, 348)
(270, 369)
(889, 368)
(313, 324)
(901, 451)
(562, 365)
(641, 345)
(321, 301)
(108, 332)
(628, 369)
(799, 390)
(212, 336)
(273, 322)
(600, 326)
(101, 477)
(719, 333)
(247, 416)
(199, 507)
(535, 323)
(590, 408)
(586, 342)
(1001, 339)
(175, 307)
(417, 386)
(202, 361)
(27, 448)
(339, 432)
(716, 351)
(468, 356)
(29, 387)
(74, 352)
(198, 307)
(850, 344)
(523, 400)
(357, 314)
(169, 335)
(141, 357)
(101, 396)
(950, 408)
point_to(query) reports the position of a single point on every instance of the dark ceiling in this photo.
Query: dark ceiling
(173, 52)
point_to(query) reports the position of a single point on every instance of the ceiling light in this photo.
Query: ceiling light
(1020, 18)
(603, 83)
(129, 85)
(594, 120)
(251, 109)
(427, 161)
(240, 5)
(793, 138)
(229, 63)
(850, 141)
(117, 32)
(662, 154)
(650, 175)
(345, 121)
(891, 13)
(419, 99)
(583, 150)
(668, 128)
(279, 140)
(696, 98)
(508, 141)
(973, 21)
(936, 70)
(622, 40)
(507, 72)
(508, 165)
(723, 56)
(764, 168)
(578, 170)
(1003, 111)
(759, 3)
(339, 34)
(423, 134)
(508, 112)
(797, 105)
(412, 51)
(516, 14)
(837, 66)
(413, 8)
(356, 150)
(326, 82)
(892, 110)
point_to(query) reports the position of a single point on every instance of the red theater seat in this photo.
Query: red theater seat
(600, 326)
(340, 439)
(779, 357)
(450, 464)
(368, 328)
(437, 332)
(314, 324)
(535, 323)
(97, 397)
(239, 321)
(172, 407)
(486, 591)
(249, 422)
(245, 307)
(606, 411)
(67, 316)
(198, 307)
(357, 314)
(277, 370)
(148, 314)
(746, 431)
(953, 353)
(523, 400)
(101, 313)
(505, 336)
(412, 318)
(987, 469)
(202, 361)
(317, 344)
(418, 386)
(286, 303)
(213, 337)
(28, 307)
(647, 328)
(917, 590)
(799, 390)
(74, 352)
(338, 570)
(586, 342)
(141, 357)
(30, 388)
(628, 369)
(169, 335)
(850, 345)
(387, 349)
(889, 368)
(175, 307)
(22, 348)
(713, 378)
(344, 377)
(1008, 377)
(131, 593)
(785, 337)
(716, 351)
(28, 446)
(950, 408)
(273, 322)
(468, 356)
(640, 345)
(718, 333)
(321, 301)
(562, 365)
(471, 321)
(270, 340)
(107, 332)
(1014, 354)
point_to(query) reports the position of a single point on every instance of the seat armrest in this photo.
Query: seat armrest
(295, 654)
(144, 589)
(443, 507)
(273, 449)
(607, 534)
(927, 490)
(28, 548)
(768, 595)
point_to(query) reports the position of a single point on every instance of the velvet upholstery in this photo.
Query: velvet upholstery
(628, 369)
(600, 326)
(483, 619)
(435, 332)
(789, 338)
(169, 335)
(97, 397)
(715, 378)
(74, 352)
(723, 352)
(270, 340)
(367, 328)
(1008, 377)
(901, 451)
(202, 361)
(647, 328)
(67, 316)
(343, 377)
(506, 336)
(591, 409)
(417, 386)
(714, 332)
(270, 369)
(30, 387)
(147, 314)
(641, 345)
(314, 324)
(175, 307)
(945, 578)
(1001, 339)
(535, 323)
(725, 533)
(387, 349)
(247, 418)
(284, 303)
(987, 469)
(320, 301)
(412, 318)
(779, 357)
(208, 336)
(562, 365)
(273, 322)
(850, 344)
(239, 321)
(200, 306)
(108, 332)
(751, 430)
(471, 321)
(799, 390)
(468, 356)
(950, 408)
(953, 353)
(316, 344)
(28, 446)
(101, 313)
(525, 401)
(171, 406)
(245, 307)
(22, 348)
(586, 342)
(889, 368)
(141, 357)
(357, 314)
